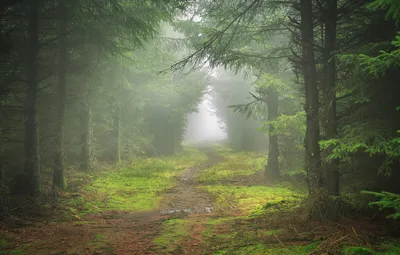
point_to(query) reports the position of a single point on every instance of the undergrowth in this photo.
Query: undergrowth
(175, 230)
(241, 201)
(255, 198)
(382, 249)
(137, 186)
(233, 167)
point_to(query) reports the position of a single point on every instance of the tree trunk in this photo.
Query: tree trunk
(31, 140)
(272, 170)
(313, 158)
(3, 188)
(117, 134)
(329, 97)
(86, 141)
(61, 27)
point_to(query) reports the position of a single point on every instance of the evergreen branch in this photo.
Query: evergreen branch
(197, 55)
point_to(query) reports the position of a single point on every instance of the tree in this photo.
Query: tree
(331, 168)
(227, 91)
(241, 45)
(31, 140)
(61, 26)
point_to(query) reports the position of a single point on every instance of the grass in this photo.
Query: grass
(252, 199)
(5, 242)
(234, 165)
(16, 251)
(270, 250)
(245, 235)
(251, 218)
(137, 186)
(225, 182)
(174, 230)
(382, 249)
(241, 204)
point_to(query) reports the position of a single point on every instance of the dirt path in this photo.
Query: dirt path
(186, 197)
(121, 232)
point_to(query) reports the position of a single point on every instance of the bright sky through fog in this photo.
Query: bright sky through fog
(204, 126)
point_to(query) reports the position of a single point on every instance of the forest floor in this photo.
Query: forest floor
(204, 201)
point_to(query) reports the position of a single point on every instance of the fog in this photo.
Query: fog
(204, 125)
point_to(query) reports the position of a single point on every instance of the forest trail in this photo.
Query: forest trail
(119, 232)
(206, 201)
(185, 197)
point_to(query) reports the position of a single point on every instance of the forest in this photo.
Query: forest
(103, 150)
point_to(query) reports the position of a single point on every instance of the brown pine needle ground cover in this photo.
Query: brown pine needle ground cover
(207, 201)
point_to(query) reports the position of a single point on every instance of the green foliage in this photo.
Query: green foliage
(373, 143)
(289, 125)
(391, 6)
(268, 80)
(386, 200)
(377, 66)
(230, 89)
(290, 130)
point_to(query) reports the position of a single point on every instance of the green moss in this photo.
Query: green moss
(137, 187)
(253, 199)
(3, 243)
(213, 223)
(240, 234)
(270, 250)
(21, 250)
(383, 249)
(358, 251)
(235, 165)
(174, 230)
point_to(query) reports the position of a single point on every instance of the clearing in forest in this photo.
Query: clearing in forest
(204, 201)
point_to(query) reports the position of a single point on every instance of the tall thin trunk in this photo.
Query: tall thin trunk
(4, 192)
(272, 169)
(86, 137)
(313, 157)
(117, 134)
(329, 96)
(61, 27)
(3, 187)
(31, 141)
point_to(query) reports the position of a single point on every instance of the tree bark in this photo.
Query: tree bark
(31, 141)
(313, 157)
(4, 193)
(61, 27)
(272, 170)
(329, 96)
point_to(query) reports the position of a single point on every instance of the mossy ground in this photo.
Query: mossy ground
(241, 197)
(137, 186)
(249, 215)
(382, 249)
